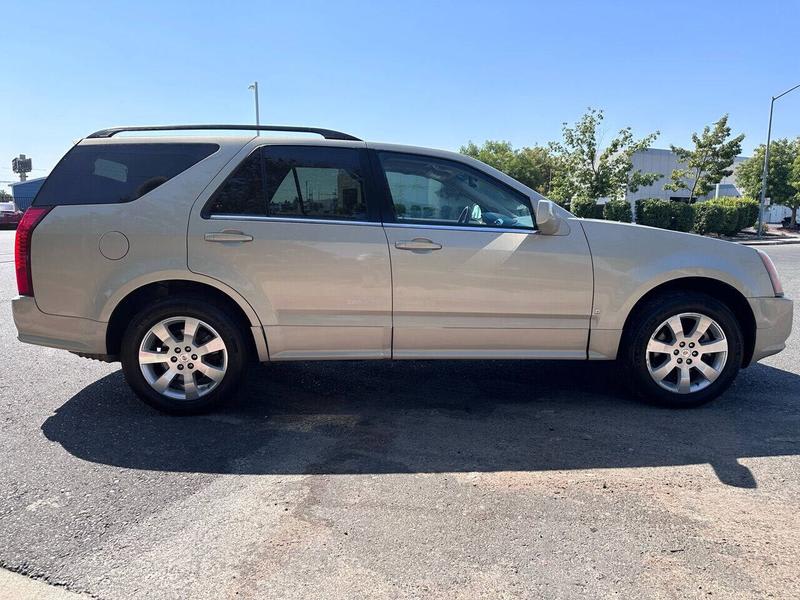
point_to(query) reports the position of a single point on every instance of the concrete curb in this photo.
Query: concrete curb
(770, 242)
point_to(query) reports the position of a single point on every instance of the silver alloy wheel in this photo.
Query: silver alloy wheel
(183, 358)
(687, 353)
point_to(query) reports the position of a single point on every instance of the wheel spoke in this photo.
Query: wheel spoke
(683, 381)
(676, 326)
(190, 387)
(700, 327)
(190, 326)
(214, 345)
(146, 357)
(659, 347)
(709, 372)
(210, 371)
(165, 335)
(714, 347)
(162, 383)
(662, 371)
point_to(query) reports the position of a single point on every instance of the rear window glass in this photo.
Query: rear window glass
(115, 173)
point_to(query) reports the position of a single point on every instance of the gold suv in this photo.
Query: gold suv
(186, 257)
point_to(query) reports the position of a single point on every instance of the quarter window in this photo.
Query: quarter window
(243, 192)
(114, 173)
(435, 191)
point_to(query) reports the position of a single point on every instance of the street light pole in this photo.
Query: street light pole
(761, 204)
(254, 87)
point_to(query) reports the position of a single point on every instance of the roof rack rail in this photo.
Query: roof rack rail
(328, 134)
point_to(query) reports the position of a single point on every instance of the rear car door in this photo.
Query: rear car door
(295, 230)
(472, 277)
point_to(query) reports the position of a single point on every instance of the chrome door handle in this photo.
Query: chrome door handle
(417, 244)
(228, 236)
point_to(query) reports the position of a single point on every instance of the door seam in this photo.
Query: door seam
(591, 306)
(391, 295)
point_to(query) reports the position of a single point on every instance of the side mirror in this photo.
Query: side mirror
(547, 221)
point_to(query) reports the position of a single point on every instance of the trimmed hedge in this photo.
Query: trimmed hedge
(725, 216)
(665, 214)
(745, 209)
(654, 212)
(618, 210)
(709, 217)
(682, 216)
(584, 208)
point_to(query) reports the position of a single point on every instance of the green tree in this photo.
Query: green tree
(584, 170)
(531, 166)
(783, 184)
(794, 201)
(709, 161)
(782, 153)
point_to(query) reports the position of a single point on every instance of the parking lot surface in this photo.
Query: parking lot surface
(407, 479)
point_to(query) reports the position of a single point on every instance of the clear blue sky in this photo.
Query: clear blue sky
(428, 73)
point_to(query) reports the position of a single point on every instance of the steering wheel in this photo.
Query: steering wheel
(463, 218)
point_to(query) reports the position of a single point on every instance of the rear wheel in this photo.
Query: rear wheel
(183, 355)
(683, 349)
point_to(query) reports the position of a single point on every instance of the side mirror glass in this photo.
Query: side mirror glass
(547, 221)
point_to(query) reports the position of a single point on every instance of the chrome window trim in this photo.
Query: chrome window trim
(291, 220)
(372, 224)
(526, 230)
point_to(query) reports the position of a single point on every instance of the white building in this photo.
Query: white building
(657, 160)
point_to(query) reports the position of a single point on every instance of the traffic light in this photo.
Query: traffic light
(22, 165)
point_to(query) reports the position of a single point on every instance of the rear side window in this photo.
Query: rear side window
(243, 192)
(314, 182)
(116, 173)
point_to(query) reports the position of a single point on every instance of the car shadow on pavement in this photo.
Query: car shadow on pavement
(401, 417)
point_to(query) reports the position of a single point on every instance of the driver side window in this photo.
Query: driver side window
(443, 192)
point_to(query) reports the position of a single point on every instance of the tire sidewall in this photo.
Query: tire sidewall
(226, 327)
(653, 315)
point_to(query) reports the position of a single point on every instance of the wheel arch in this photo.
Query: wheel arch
(720, 290)
(139, 297)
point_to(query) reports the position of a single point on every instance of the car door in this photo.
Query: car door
(472, 277)
(294, 230)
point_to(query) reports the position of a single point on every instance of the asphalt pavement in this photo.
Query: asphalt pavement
(398, 480)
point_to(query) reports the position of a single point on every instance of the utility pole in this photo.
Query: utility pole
(762, 202)
(254, 86)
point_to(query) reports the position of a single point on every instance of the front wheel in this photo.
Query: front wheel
(683, 349)
(183, 355)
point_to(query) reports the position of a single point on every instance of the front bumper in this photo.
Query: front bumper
(56, 331)
(773, 325)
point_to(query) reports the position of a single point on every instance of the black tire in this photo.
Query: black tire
(644, 323)
(185, 306)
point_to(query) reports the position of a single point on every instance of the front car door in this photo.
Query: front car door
(472, 277)
(294, 230)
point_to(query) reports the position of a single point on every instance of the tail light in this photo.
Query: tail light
(22, 247)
